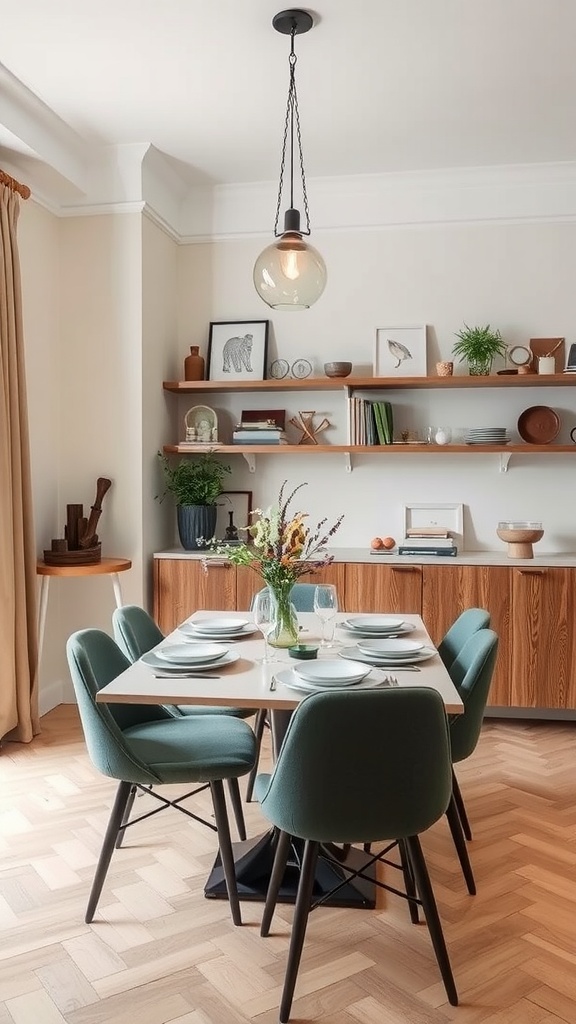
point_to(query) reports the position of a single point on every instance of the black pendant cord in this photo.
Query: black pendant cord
(291, 122)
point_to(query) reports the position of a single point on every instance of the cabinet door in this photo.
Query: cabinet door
(543, 620)
(383, 588)
(248, 583)
(182, 586)
(449, 589)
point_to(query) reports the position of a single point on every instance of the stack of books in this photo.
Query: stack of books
(428, 540)
(258, 432)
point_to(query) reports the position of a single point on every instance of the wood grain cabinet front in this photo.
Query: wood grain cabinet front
(383, 588)
(543, 671)
(182, 586)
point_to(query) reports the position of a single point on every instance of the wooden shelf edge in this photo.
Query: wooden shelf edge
(530, 380)
(393, 449)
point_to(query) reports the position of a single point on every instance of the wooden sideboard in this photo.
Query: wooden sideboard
(532, 608)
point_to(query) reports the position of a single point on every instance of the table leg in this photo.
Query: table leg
(42, 609)
(117, 589)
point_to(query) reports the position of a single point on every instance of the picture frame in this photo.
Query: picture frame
(237, 350)
(442, 514)
(400, 352)
(240, 504)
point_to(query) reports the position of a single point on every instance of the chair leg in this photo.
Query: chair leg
(112, 829)
(278, 869)
(127, 813)
(409, 883)
(301, 912)
(430, 909)
(225, 844)
(461, 808)
(259, 725)
(236, 801)
(455, 825)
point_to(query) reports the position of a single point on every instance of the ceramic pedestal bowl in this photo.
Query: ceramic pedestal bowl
(337, 369)
(520, 536)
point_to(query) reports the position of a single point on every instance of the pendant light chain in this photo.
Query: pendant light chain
(292, 119)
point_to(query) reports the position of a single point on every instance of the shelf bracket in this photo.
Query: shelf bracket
(251, 460)
(348, 462)
(504, 460)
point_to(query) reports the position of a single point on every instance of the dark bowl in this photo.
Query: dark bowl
(338, 369)
(305, 652)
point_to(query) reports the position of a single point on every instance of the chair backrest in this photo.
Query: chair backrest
(301, 595)
(362, 765)
(471, 673)
(135, 631)
(467, 623)
(95, 660)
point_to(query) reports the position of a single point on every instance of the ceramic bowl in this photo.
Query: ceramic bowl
(305, 652)
(338, 369)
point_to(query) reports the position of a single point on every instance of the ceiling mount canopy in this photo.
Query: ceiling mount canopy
(290, 274)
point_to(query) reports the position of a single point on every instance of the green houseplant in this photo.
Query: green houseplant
(195, 485)
(478, 346)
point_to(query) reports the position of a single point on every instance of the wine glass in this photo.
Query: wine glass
(326, 606)
(264, 618)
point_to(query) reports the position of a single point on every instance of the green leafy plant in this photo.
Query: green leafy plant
(194, 481)
(479, 346)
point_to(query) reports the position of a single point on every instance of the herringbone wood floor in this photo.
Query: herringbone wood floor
(158, 952)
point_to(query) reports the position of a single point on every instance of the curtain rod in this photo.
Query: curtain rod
(6, 179)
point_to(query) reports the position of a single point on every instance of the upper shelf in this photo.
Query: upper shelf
(528, 380)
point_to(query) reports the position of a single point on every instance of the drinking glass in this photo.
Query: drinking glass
(264, 619)
(326, 606)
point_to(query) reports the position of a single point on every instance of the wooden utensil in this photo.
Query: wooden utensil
(88, 539)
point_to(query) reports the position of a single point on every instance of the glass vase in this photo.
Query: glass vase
(286, 629)
(480, 367)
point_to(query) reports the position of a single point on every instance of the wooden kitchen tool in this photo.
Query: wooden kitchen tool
(89, 538)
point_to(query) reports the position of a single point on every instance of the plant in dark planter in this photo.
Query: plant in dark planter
(478, 346)
(195, 485)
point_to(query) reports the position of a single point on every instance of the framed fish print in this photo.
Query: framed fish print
(400, 352)
(237, 350)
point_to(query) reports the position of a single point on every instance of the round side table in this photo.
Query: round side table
(106, 567)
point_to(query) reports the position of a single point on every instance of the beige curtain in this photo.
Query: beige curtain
(18, 643)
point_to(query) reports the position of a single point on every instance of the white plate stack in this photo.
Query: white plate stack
(487, 435)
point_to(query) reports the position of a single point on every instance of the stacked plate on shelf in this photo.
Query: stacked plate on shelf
(487, 435)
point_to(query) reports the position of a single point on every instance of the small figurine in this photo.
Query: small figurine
(309, 431)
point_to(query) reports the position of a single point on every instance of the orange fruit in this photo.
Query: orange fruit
(376, 543)
(387, 542)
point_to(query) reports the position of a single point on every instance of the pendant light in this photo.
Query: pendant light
(290, 274)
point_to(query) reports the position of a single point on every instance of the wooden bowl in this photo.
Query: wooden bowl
(520, 537)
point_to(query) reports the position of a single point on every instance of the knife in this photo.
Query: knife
(186, 675)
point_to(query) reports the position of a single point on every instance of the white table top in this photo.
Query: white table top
(246, 683)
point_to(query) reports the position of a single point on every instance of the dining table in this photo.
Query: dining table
(248, 682)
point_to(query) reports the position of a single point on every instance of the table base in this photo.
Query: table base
(254, 858)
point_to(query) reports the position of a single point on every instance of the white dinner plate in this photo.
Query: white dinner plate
(330, 672)
(377, 623)
(354, 654)
(403, 630)
(223, 624)
(289, 677)
(199, 632)
(153, 661)
(200, 654)
(390, 648)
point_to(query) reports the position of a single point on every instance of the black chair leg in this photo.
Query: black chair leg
(112, 829)
(259, 725)
(278, 869)
(236, 801)
(225, 844)
(127, 813)
(299, 924)
(459, 842)
(461, 808)
(430, 909)
(409, 883)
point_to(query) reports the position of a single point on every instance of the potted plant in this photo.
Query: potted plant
(195, 484)
(478, 346)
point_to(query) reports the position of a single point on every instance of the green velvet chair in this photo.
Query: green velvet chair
(467, 623)
(144, 746)
(359, 766)
(471, 672)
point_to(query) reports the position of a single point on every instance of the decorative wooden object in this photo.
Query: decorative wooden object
(80, 545)
(305, 424)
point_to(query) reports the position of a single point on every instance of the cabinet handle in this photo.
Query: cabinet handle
(531, 572)
(219, 563)
(405, 568)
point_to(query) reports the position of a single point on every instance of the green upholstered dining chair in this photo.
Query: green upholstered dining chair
(136, 633)
(471, 672)
(468, 622)
(144, 746)
(358, 766)
(302, 595)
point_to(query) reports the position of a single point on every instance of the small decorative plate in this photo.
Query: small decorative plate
(279, 369)
(301, 368)
(539, 424)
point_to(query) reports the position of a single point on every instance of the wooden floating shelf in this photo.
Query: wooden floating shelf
(391, 449)
(528, 380)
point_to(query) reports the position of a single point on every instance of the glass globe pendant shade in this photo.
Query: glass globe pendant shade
(290, 273)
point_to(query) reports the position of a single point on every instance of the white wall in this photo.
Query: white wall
(515, 276)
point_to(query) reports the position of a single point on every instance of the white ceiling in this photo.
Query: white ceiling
(384, 85)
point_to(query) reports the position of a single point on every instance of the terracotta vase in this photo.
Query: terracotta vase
(194, 365)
